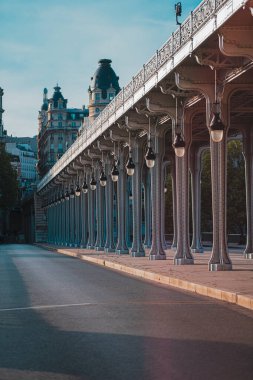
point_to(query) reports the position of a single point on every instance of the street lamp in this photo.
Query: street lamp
(77, 190)
(130, 166)
(115, 172)
(216, 126)
(93, 183)
(85, 187)
(67, 195)
(103, 178)
(72, 193)
(179, 145)
(150, 155)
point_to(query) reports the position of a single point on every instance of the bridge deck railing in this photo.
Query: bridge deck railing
(181, 36)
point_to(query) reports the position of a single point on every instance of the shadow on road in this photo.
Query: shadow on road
(31, 348)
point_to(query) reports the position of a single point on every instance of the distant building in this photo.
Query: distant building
(23, 159)
(2, 131)
(58, 129)
(31, 141)
(59, 125)
(103, 88)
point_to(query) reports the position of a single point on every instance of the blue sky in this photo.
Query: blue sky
(48, 41)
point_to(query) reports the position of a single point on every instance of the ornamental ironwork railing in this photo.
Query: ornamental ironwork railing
(196, 20)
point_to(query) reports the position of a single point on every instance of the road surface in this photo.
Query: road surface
(62, 318)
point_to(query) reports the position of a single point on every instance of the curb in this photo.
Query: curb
(219, 294)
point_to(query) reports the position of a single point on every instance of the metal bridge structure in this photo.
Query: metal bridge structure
(196, 92)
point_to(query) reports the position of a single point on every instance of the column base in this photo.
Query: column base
(147, 245)
(248, 255)
(157, 257)
(137, 254)
(183, 261)
(219, 267)
(99, 248)
(90, 247)
(197, 250)
(173, 247)
(108, 250)
(122, 251)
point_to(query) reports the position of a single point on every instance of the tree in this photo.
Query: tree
(236, 198)
(236, 195)
(8, 181)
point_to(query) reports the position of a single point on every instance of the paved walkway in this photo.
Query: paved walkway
(232, 286)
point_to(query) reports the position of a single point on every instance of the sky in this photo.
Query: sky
(44, 42)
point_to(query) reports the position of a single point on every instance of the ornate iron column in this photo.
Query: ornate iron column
(67, 222)
(54, 224)
(248, 156)
(174, 202)
(157, 252)
(121, 247)
(63, 237)
(183, 253)
(109, 243)
(91, 216)
(84, 220)
(195, 170)
(61, 220)
(147, 206)
(100, 214)
(77, 220)
(137, 249)
(220, 259)
(72, 220)
(49, 218)
(163, 206)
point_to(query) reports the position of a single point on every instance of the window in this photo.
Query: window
(73, 136)
(60, 116)
(60, 124)
(73, 124)
(111, 96)
(73, 116)
(97, 96)
(97, 110)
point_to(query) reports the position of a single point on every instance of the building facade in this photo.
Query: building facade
(103, 88)
(24, 161)
(58, 129)
(2, 132)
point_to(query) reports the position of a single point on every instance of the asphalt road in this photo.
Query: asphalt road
(61, 318)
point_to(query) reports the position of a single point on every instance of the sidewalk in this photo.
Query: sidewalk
(232, 286)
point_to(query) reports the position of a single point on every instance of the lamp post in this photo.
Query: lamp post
(216, 125)
(150, 155)
(130, 166)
